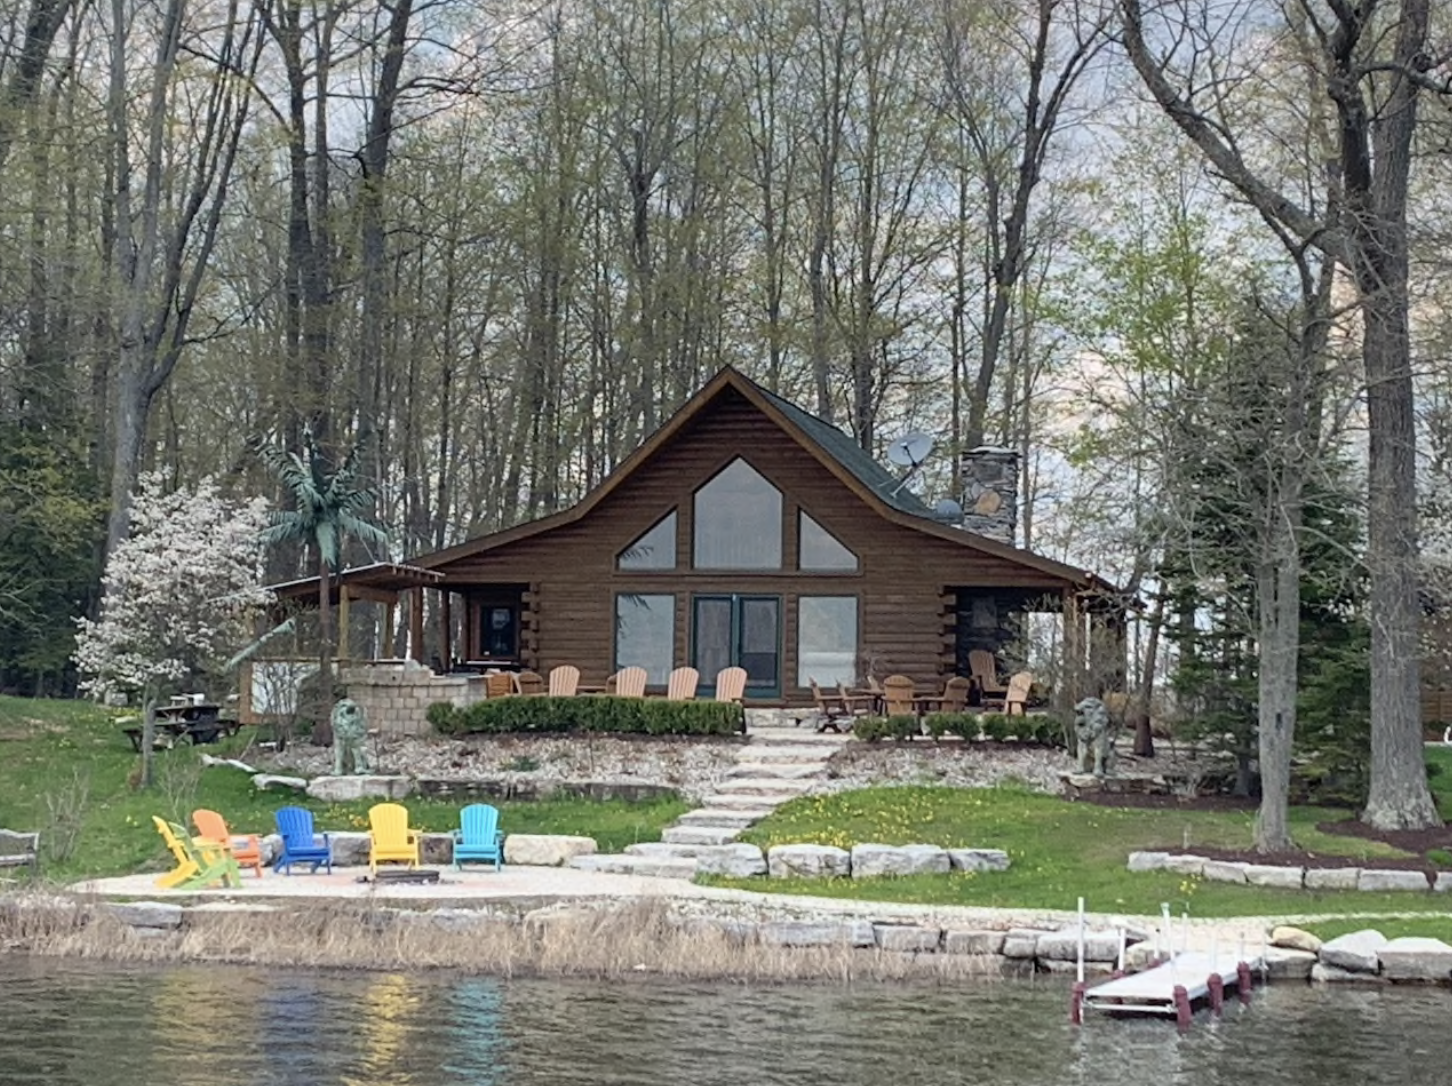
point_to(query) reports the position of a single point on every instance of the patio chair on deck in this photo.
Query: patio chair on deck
(564, 680)
(529, 683)
(1014, 701)
(478, 840)
(390, 838)
(246, 848)
(984, 669)
(630, 682)
(897, 696)
(300, 845)
(731, 684)
(953, 699)
(682, 684)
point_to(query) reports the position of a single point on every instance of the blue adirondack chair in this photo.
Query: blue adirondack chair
(299, 843)
(478, 838)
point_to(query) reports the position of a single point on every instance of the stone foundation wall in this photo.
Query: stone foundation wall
(396, 696)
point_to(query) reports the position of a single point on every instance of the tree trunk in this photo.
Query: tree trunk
(1144, 740)
(148, 737)
(1278, 598)
(323, 724)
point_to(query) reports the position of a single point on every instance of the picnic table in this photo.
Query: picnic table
(201, 723)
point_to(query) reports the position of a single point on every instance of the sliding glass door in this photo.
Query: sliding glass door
(738, 631)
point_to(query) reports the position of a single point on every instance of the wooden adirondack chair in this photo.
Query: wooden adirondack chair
(199, 864)
(985, 672)
(830, 708)
(246, 848)
(498, 684)
(897, 696)
(529, 683)
(391, 839)
(630, 682)
(564, 680)
(1015, 702)
(953, 699)
(299, 843)
(478, 840)
(682, 684)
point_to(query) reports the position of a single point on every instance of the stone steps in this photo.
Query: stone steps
(785, 755)
(763, 786)
(743, 801)
(699, 835)
(660, 866)
(724, 818)
(787, 771)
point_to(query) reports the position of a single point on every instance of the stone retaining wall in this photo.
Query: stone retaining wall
(1292, 878)
(396, 695)
(506, 788)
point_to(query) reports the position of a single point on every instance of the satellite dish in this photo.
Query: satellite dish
(910, 450)
(948, 510)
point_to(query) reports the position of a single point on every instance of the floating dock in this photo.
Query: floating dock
(1172, 988)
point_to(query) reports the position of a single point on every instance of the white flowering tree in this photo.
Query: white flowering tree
(178, 593)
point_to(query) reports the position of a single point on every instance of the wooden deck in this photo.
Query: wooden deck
(1172, 987)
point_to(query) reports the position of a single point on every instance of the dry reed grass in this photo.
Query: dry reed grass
(619, 941)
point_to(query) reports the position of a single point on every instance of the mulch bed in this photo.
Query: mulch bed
(1417, 842)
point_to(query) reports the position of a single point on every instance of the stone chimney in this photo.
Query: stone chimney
(990, 491)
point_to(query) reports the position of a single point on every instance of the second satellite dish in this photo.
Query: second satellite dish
(910, 450)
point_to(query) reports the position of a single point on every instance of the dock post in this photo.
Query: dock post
(1076, 1004)
(1216, 984)
(1182, 1008)
(1243, 982)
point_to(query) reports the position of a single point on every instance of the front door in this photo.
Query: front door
(739, 631)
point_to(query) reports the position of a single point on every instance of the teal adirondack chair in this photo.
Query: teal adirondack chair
(478, 838)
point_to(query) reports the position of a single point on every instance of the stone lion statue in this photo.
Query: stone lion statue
(1094, 729)
(350, 739)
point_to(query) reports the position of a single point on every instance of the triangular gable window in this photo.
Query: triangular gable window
(738, 521)
(656, 549)
(822, 552)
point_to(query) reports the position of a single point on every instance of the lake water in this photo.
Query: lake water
(79, 1024)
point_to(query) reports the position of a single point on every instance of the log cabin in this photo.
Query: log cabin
(746, 531)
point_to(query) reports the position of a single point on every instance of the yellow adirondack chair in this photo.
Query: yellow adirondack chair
(391, 839)
(199, 863)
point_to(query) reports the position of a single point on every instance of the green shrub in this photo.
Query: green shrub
(963, 725)
(620, 716)
(873, 728)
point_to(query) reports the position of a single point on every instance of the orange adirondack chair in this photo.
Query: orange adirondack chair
(246, 848)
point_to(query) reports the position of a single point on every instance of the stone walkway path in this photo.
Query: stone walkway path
(777, 763)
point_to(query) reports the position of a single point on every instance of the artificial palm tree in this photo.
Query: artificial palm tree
(328, 507)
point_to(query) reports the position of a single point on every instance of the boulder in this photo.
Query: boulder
(271, 846)
(1022, 942)
(978, 859)
(545, 849)
(1321, 973)
(801, 933)
(1063, 946)
(1289, 938)
(1355, 952)
(907, 939)
(1193, 866)
(1069, 969)
(973, 942)
(1223, 871)
(808, 862)
(147, 914)
(1443, 882)
(1414, 881)
(873, 860)
(438, 849)
(1284, 963)
(350, 848)
(272, 782)
(737, 860)
(1148, 861)
(346, 789)
(1284, 878)
(1332, 878)
(1412, 958)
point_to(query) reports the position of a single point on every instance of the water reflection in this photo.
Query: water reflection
(86, 1024)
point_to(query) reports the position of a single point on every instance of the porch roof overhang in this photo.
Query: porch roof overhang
(380, 582)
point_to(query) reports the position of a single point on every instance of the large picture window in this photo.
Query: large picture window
(827, 640)
(737, 521)
(645, 634)
(822, 552)
(656, 549)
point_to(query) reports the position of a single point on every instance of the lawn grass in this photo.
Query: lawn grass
(1060, 851)
(66, 763)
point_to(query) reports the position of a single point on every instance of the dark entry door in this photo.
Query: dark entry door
(739, 631)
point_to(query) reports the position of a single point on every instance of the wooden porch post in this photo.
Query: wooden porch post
(446, 629)
(415, 624)
(344, 655)
(390, 615)
(1072, 678)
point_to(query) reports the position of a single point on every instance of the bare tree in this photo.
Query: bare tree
(1175, 50)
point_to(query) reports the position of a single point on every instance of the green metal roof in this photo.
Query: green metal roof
(843, 449)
